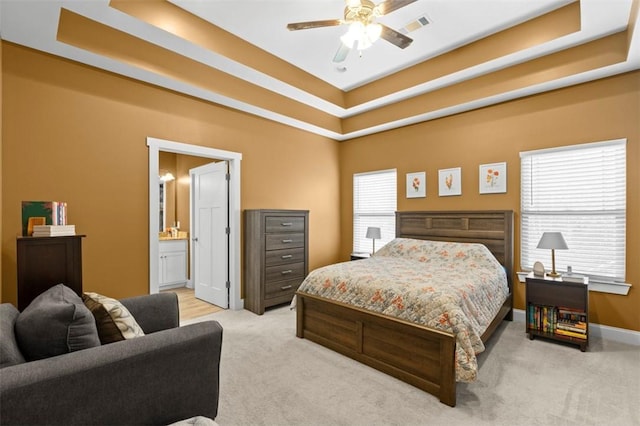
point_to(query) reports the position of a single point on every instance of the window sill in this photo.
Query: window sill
(600, 287)
(613, 288)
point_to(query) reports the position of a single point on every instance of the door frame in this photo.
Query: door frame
(234, 158)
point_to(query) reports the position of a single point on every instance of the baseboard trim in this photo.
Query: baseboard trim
(598, 330)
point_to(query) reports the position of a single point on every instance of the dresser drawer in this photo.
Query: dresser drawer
(284, 272)
(279, 257)
(284, 241)
(284, 224)
(283, 288)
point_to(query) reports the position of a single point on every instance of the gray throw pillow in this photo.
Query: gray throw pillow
(56, 322)
(9, 350)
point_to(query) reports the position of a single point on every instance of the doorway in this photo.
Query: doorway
(234, 159)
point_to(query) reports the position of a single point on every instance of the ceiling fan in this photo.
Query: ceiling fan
(361, 15)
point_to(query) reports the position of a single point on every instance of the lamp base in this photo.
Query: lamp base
(554, 274)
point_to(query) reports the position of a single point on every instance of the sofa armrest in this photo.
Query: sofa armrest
(159, 378)
(154, 312)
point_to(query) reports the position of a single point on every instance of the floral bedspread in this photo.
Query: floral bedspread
(455, 287)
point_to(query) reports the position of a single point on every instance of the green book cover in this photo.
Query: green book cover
(31, 209)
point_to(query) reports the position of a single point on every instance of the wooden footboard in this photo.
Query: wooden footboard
(417, 355)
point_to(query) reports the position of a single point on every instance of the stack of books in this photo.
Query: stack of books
(42, 213)
(558, 320)
(572, 323)
(542, 318)
(53, 230)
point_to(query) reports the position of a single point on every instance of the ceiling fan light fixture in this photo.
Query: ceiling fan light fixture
(373, 32)
(363, 31)
(352, 34)
(365, 35)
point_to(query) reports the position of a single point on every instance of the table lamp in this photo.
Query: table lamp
(554, 241)
(373, 232)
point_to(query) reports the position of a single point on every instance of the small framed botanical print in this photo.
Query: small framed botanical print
(450, 182)
(416, 185)
(493, 178)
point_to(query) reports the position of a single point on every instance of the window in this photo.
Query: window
(374, 204)
(579, 190)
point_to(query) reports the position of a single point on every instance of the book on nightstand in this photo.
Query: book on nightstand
(53, 230)
(42, 213)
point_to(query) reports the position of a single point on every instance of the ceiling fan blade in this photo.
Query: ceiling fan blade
(314, 24)
(342, 53)
(394, 37)
(389, 6)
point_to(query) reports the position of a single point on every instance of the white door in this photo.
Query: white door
(209, 188)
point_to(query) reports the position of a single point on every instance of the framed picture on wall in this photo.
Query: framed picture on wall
(493, 178)
(417, 185)
(450, 182)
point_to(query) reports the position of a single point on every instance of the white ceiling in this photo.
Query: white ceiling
(454, 23)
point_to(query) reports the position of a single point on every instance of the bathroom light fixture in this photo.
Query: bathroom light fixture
(166, 177)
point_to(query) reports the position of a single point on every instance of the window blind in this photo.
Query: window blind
(374, 204)
(578, 190)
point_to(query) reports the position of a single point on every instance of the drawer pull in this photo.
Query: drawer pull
(287, 241)
(288, 271)
(287, 256)
(286, 287)
(287, 223)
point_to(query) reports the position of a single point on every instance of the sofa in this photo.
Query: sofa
(169, 374)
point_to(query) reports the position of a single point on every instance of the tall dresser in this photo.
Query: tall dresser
(276, 256)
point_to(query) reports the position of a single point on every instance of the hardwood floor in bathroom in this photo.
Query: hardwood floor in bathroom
(190, 307)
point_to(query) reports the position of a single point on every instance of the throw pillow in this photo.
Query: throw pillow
(9, 349)
(113, 320)
(56, 322)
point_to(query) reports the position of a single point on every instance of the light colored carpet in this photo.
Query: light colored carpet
(271, 377)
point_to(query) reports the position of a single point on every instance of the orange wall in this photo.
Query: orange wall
(602, 110)
(77, 134)
(74, 133)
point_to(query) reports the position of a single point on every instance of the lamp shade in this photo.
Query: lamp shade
(373, 232)
(552, 240)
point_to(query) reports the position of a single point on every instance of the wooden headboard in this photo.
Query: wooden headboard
(493, 228)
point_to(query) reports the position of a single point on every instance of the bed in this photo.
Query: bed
(419, 354)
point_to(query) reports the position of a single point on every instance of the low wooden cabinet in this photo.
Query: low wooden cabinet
(173, 263)
(44, 262)
(557, 310)
(276, 258)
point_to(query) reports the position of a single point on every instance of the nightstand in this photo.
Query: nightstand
(360, 256)
(557, 310)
